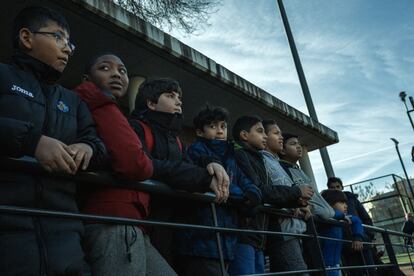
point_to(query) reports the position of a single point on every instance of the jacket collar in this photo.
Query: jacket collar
(166, 121)
(246, 147)
(288, 164)
(219, 147)
(39, 69)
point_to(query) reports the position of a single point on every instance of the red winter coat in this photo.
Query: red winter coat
(127, 158)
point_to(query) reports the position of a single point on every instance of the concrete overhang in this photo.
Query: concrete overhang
(98, 26)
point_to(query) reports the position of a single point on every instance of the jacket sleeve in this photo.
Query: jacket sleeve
(17, 138)
(278, 195)
(199, 155)
(338, 215)
(179, 174)
(87, 134)
(124, 147)
(320, 207)
(182, 175)
(247, 185)
(357, 228)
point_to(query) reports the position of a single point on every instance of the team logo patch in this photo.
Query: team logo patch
(18, 89)
(62, 106)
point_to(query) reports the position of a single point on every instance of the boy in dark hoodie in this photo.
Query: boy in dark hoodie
(332, 249)
(128, 249)
(198, 249)
(250, 138)
(157, 120)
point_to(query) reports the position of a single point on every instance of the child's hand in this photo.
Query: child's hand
(302, 202)
(81, 153)
(305, 213)
(296, 212)
(306, 191)
(357, 245)
(53, 156)
(221, 196)
(222, 179)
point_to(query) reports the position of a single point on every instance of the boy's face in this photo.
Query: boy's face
(336, 186)
(215, 130)
(109, 73)
(45, 47)
(169, 102)
(256, 137)
(293, 149)
(274, 141)
(341, 206)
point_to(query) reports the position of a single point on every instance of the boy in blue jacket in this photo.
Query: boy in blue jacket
(331, 249)
(198, 249)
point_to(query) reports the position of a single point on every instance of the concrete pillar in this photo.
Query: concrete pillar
(134, 83)
(306, 166)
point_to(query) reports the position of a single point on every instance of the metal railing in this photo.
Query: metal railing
(311, 237)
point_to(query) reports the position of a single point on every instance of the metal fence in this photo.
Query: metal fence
(310, 239)
(387, 199)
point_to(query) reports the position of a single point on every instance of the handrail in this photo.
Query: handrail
(29, 165)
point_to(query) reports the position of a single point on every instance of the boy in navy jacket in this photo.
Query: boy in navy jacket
(198, 249)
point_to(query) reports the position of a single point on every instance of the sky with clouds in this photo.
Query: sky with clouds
(357, 56)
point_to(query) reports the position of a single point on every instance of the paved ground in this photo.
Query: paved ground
(408, 271)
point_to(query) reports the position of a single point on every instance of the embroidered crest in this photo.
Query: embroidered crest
(62, 106)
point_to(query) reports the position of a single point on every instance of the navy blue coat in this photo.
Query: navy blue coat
(203, 243)
(331, 249)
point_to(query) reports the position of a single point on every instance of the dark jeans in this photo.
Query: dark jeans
(248, 260)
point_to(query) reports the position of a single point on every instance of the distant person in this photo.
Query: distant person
(198, 250)
(331, 249)
(41, 119)
(408, 228)
(355, 208)
(128, 250)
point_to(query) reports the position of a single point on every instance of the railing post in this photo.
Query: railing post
(312, 248)
(218, 239)
(390, 252)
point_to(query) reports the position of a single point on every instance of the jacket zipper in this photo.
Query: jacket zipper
(39, 232)
(39, 191)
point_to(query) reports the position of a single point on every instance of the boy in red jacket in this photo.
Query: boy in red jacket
(117, 249)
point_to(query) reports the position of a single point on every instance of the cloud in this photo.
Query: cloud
(357, 56)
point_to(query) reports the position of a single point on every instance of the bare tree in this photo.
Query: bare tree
(186, 15)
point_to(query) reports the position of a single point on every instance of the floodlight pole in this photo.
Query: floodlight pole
(305, 89)
(402, 165)
(403, 95)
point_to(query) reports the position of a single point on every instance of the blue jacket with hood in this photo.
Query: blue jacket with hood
(203, 243)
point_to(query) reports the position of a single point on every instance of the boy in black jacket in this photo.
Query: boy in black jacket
(41, 119)
(250, 137)
(157, 119)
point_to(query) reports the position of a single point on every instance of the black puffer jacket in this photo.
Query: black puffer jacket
(252, 164)
(31, 105)
(173, 168)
